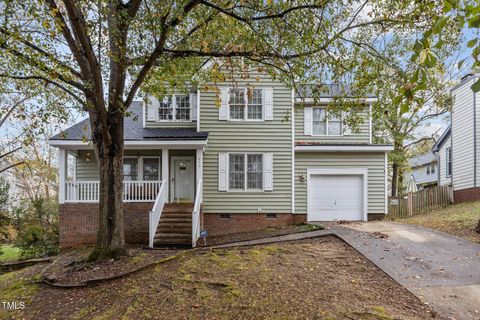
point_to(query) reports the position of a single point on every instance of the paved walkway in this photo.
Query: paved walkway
(440, 269)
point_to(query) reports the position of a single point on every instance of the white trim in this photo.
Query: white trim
(62, 173)
(165, 171)
(335, 171)
(370, 129)
(199, 169)
(133, 144)
(292, 118)
(245, 110)
(174, 109)
(328, 100)
(351, 148)
(245, 159)
(386, 183)
(172, 175)
(198, 110)
(326, 124)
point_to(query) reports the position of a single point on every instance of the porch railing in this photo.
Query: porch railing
(133, 191)
(196, 214)
(156, 213)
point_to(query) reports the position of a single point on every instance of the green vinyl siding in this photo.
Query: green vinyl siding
(362, 136)
(374, 162)
(270, 136)
(89, 170)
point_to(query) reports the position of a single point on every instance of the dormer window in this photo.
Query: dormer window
(175, 107)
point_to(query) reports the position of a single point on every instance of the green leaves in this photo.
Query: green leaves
(476, 86)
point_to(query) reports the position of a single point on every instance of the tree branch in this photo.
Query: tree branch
(12, 166)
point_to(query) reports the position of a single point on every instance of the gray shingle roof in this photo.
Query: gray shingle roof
(134, 130)
(422, 160)
(442, 139)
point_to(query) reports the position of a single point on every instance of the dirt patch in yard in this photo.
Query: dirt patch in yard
(72, 268)
(321, 278)
(259, 234)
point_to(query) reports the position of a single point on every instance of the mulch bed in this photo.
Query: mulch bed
(319, 278)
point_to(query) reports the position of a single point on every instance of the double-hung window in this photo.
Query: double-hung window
(431, 168)
(174, 108)
(449, 162)
(245, 171)
(246, 104)
(324, 124)
(130, 169)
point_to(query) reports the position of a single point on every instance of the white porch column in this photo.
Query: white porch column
(199, 165)
(62, 174)
(165, 171)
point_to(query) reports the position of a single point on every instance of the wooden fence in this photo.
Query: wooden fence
(419, 202)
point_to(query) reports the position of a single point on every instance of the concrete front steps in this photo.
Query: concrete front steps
(175, 226)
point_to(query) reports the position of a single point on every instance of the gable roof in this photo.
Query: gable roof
(133, 131)
(422, 159)
(445, 135)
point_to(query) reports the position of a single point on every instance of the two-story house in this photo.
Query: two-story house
(227, 157)
(423, 170)
(458, 148)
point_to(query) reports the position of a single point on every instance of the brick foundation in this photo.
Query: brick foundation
(215, 224)
(79, 223)
(470, 194)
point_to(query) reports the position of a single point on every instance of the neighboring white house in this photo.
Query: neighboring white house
(465, 171)
(443, 151)
(423, 170)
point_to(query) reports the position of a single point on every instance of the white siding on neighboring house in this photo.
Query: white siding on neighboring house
(463, 132)
(442, 156)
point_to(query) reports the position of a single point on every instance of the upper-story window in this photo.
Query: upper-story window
(246, 105)
(431, 168)
(448, 162)
(324, 124)
(176, 107)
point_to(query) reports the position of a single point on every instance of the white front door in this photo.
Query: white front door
(183, 179)
(335, 197)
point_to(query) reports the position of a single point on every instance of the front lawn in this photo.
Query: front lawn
(9, 253)
(321, 278)
(459, 220)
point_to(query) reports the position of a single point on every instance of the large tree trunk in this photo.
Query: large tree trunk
(109, 153)
(394, 178)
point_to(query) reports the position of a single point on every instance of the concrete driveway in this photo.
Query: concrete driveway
(441, 269)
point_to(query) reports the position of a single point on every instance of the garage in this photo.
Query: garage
(334, 195)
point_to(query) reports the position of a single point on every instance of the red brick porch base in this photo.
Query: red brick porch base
(470, 194)
(79, 223)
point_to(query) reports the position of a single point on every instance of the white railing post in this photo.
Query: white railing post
(62, 174)
(156, 213)
(196, 213)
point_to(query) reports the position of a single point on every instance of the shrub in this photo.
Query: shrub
(37, 241)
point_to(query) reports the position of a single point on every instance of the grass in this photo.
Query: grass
(459, 220)
(9, 253)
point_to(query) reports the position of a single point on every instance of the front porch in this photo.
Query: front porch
(157, 178)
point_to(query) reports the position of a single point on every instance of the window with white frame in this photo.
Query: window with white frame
(130, 169)
(245, 171)
(176, 107)
(246, 104)
(431, 168)
(151, 169)
(324, 124)
(448, 162)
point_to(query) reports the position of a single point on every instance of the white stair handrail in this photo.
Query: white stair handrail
(156, 213)
(196, 214)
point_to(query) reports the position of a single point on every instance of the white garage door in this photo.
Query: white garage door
(335, 197)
